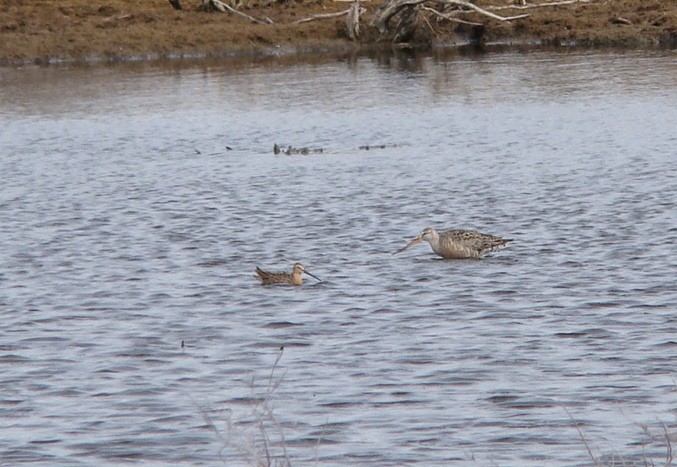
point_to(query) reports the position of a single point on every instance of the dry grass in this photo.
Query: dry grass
(117, 29)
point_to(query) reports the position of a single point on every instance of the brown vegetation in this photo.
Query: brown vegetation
(48, 30)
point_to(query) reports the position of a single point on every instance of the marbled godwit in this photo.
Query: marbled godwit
(295, 277)
(458, 244)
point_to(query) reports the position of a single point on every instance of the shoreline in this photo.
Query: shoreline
(337, 51)
(67, 32)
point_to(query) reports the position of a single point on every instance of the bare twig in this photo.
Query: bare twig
(430, 26)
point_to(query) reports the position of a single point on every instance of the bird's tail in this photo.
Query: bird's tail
(263, 275)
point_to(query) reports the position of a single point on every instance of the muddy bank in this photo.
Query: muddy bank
(54, 30)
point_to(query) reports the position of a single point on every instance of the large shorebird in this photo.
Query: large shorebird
(458, 244)
(295, 277)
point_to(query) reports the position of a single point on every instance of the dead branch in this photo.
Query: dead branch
(481, 10)
(209, 5)
(353, 20)
(393, 7)
(389, 9)
(322, 16)
(535, 5)
(450, 17)
(621, 20)
(223, 7)
(427, 22)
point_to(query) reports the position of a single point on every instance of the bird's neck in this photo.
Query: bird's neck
(434, 241)
(297, 278)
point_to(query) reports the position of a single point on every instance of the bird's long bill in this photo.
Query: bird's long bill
(411, 243)
(312, 275)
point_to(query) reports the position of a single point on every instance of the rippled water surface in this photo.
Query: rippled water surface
(136, 201)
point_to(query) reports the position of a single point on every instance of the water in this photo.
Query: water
(133, 330)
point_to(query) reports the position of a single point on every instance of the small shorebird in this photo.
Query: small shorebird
(458, 244)
(295, 277)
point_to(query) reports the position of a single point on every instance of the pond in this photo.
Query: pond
(137, 200)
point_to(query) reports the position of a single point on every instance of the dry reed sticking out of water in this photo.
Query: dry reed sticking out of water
(614, 460)
(256, 436)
